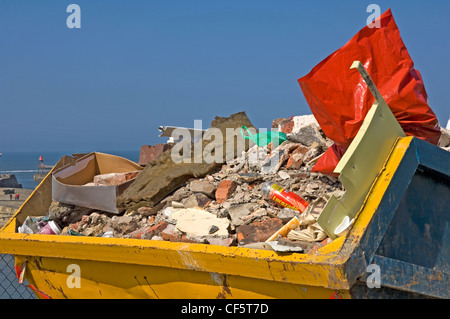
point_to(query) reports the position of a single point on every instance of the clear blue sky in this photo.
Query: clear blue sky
(135, 65)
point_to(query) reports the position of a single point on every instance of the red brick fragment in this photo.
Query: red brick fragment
(114, 178)
(295, 160)
(224, 190)
(149, 231)
(170, 233)
(258, 231)
(151, 152)
(285, 125)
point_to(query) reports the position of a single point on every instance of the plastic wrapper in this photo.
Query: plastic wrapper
(33, 224)
(263, 138)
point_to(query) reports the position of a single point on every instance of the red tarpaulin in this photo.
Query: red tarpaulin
(339, 98)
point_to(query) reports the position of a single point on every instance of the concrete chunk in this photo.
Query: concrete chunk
(163, 176)
(237, 212)
(307, 135)
(204, 187)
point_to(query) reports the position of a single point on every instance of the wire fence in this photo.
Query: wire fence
(10, 288)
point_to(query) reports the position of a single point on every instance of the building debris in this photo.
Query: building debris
(266, 196)
(223, 204)
(239, 213)
(307, 135)
(219, 204)
(163, 176)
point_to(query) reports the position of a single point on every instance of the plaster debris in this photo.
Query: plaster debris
(223, 204)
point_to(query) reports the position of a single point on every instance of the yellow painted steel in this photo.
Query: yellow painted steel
(133, 268)
(378, 189)
(121, 280)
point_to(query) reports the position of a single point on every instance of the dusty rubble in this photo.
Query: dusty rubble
(238, 219)
(226, 207)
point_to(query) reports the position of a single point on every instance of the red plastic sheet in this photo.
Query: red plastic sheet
(339, 98)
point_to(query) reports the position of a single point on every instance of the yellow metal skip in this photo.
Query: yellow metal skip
(132, 268)
(119, 280)
(120, 268)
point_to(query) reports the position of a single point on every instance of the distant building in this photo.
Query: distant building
(9, 180)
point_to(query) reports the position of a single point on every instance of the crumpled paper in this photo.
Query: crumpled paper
(308, 229)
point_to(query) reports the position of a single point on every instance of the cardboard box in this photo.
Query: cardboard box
(73, 184)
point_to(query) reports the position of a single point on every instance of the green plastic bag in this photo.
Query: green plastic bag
(264, 138)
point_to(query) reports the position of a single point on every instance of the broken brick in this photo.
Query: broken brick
(75, 226)
(186, 239)
(139, 233)
(114, 178)
(149, 152)
(295, 160)
(170, 233)
(251, 219)
(283, 125)
(165, 174)
(258, 231)
(278, 157)
(149, 231)
(224, 190)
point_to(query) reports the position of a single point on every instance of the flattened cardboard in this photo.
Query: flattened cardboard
(68, 182)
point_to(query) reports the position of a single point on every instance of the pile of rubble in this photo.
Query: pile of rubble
(227, 207)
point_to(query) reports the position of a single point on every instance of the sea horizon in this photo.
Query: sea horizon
(24, 164)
